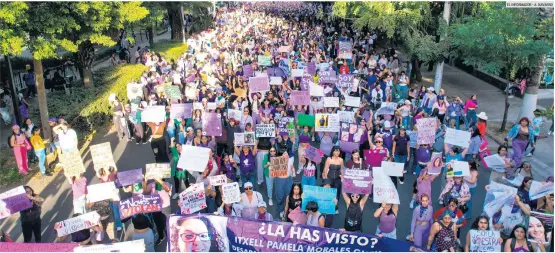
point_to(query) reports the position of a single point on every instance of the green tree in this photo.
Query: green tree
(504, 39)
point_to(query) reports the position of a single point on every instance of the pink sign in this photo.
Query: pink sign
(300, 98)
(259, 84)
(357, 181)
(212, 124)
(37, 247)
(374, 157)
(313, 154)
(298, 216)
(247, 70)
(13, 201)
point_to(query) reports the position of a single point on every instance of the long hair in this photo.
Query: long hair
(515, 228)
(292, 190)
(477, 221)
(217, 243)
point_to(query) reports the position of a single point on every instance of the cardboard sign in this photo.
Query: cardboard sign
(316, 90)
(78, 223)
(484, 241)
(313, 154)
(128, 246)
(327, 77)
(193, 158)
(323, 196)
(384, 189)
(357, 181)
(181, 111)
(13, 201)
(259, 84)
(140, 204)
(352, 101)
(102, 191)
(332, 102)
(436, 163)
(279, 166)
(265, 130)
(457, 137)
(134, 91)
(275, 80)
(102, 156)
(193, 199)
(244, 139)
(129, 177)
(345, 81)
(347, 117)
(426, 130)
(300, 98)
(264, 60)
(217, 180)
(159, 170)
(172, 92)
(212, 124)
(231, 193)
(326, 122)
(234, 114)
(393, 169)
(73, 164)
(154, 114)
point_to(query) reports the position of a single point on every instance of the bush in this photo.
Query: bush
(87, 109)
(170, 49)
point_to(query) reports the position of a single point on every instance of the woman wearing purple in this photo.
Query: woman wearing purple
(247, 162)
(521, 134)
(422, 219)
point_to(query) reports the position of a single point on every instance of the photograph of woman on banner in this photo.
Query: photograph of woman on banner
(198, 234)
(538, 231)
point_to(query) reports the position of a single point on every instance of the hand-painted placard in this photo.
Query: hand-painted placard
(172, 92)
(357, 181)
(140, 204)
(73, 164)
(484, 241)
(13, 201)
(231, 193)
(78, 223)
(323, 196)
(352, 101)
(426, 130)
(212, 124)
(346, 116)
(101, 191)
(234, 114)
(247, 70)
(316, 90)
(326, 122)
(279, 166)
(345, 81)
(193, 158)
(159, 170)
(181, 111)
(436, 163)
(217, 180)
(345, 50)
(265, 130)
(193, 199)
(129, 177)
(244, 139)
(332, 102)
(102, 156)
(300, 98)
(316, 105)
(327, 77)
(154, 114)
(313, 154)
(384, 189)
(264, 60)
(393, 169)
(457, 137)
(37, 247)
(259, 84)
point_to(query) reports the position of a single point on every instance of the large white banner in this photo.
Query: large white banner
(78, 223)
(193, 158)
(457, 137)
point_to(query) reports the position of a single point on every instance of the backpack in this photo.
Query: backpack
(528, 243)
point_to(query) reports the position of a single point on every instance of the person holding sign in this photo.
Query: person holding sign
(308, 168)
(159, 186)
(269, 180)
(30, 218)
(401, 150)
(293, 200)
(179, 174)
(355, 206)
(480, 224)
(333, 170)
(518, 242)
(387, 215)
(247, 162)
(249, 200)
(457, 189)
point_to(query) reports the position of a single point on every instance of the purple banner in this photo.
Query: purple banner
(247, 70)
(327, 77)
(140, 204)
(313, 154)
(300, 98)
(351, 132)
(347, 146)
(311, 68)
(357, 181)
(191, 78)
(375, 157)
(233, 234)
(37, 247)
(129, 177)
(259, 84)
(181, 111)
(212, 124)
(15, 200)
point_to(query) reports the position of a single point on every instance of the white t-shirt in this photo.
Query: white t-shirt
(68, 139)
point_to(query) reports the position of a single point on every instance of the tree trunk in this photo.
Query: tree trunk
(416, 74)
(85, 56)
(174, 10)
(41, 91)
(151, 32)
(530, 99)
(15, 101)
(507, 105)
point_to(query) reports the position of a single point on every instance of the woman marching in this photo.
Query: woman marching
(520, 134)
(387, 215)
(422, 218)
(355, 207)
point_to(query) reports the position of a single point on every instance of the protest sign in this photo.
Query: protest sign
(134, 91)
(37, 247)
(259, 84)
(323, 66)
(393, 169)
(102, 156)
(231, 193)
(275, 80)
(78, 223)
(540, 189)
(101, 191)
(217, 180)
(154, 114)
(345, 116)
(300, 98)
(413, 135)
(172, 92)
(323, 196)
(498, 195)
(327, 77)
(326, 122)
(297, 216)
(357, 181)
(384, 189)
(331, 102)
(313, 154)
(140, 204)
(128, 246)
(540, 228)
(494, 161)
(198, 106)
(284, 66)
(374, 157)
(305, 120)
(212, 124)
(72, 163)
(279, 166)
(244, 139)
(387, 108)
(316, 90)
(284, 49)
(265, 130)
(13, 201)
(457, 137)
(345, 81)
(345, 50)
(193, 158)
(352, 101)
(297, 72)
(159, 170)
(484, 241)
(234, 114)
(129, 177)
(247, 70)
(426, 130)
(235, 234)
(181, 111)
(211, 106)
(191, 78)
(264, 60)
(515, 181)
(193, 199)
(311, 68)
(317, 105)
(460, 168)
(347, 146)
(351, 132)
(436, 163)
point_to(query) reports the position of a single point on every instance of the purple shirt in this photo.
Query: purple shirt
(387, 222)
(387, 138)
(247, 162)
(423, 155)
